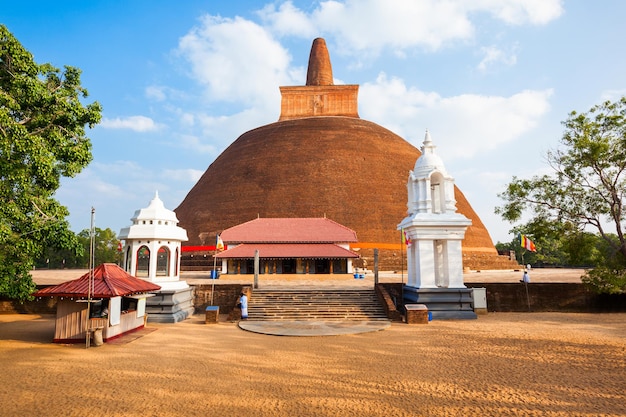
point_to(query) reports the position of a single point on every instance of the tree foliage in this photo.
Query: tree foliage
(586, 189)
(105, 251)
(42, 138)
(106, 246)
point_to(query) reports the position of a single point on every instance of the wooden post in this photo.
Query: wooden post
(375, 266)
(256, 268)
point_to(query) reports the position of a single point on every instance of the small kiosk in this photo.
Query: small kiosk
(117, 304)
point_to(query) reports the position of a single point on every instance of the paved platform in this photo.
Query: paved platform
(57, 276)
(313, 328)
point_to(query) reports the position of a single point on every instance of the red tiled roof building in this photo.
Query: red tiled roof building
(288, 246)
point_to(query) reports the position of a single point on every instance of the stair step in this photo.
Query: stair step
(315, 304)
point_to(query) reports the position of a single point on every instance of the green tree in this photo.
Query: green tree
(105, 246)
(105, 251)
(586, 189)
(42, 138)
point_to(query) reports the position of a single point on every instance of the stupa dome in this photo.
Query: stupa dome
(319, 160)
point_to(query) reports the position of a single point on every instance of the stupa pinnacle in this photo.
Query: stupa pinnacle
(320, 71)
(320, 96)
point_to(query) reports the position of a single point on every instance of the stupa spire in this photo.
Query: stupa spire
(320, 71)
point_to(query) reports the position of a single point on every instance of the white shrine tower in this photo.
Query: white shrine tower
(435, 230)
(152, 248)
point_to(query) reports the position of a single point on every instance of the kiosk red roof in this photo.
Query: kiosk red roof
(109, 281)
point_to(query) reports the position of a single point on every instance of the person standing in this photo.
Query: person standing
(525, 278)
(243, 304)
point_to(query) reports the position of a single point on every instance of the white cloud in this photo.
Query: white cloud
(462, 125)
(119, 188)
(183, 175)
(236, 60)
(492, 55)
(369, 26)
(518, 12)
(288, 20)
(156, 92)
(194, 144)
(612, 95)
(135, 123)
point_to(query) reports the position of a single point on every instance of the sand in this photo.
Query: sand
(503, 364)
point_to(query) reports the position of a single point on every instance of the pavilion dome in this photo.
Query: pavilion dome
(154, 222)
(155, 211)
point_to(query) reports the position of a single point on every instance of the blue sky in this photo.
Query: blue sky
(491, 80)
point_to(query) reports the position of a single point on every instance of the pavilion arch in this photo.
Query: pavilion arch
(176, 261)
(128, 259)
(163, 262)
(437, 193)
(143, 262)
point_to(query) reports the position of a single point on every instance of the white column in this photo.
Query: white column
(410, 266)
(455, 264)
(154, 249)
(425, 268)
(133, 258)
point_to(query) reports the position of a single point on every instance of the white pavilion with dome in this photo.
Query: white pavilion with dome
(152, 247)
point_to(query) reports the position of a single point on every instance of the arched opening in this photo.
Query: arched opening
(437, 193)
(129, 259)
(163, 262)
(176, 262)
(143, 262)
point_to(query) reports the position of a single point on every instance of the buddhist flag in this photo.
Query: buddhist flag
(219, 245)
(405, 239)
(527, 243)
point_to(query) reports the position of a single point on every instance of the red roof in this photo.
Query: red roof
(289, 230)
(109, 281)
(287, 250)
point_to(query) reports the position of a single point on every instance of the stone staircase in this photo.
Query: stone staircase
(315, 305)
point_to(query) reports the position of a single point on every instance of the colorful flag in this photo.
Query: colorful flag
(405, 239)
(527, 243)
(219, 245)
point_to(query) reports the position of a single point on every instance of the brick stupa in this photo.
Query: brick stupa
(319, 159)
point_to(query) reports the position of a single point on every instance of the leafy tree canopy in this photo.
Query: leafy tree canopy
(586, 190)
(42, 138)
(105, 251)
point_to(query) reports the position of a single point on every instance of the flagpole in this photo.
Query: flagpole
(214, 274)
(90, 287)
(402, 254)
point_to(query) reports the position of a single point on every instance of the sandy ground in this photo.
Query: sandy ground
(503, 364)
